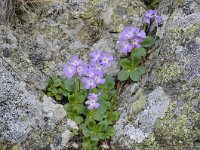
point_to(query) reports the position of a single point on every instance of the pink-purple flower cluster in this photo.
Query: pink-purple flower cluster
(92, 101)
(91, 75)
(131, 38)
(151, 14)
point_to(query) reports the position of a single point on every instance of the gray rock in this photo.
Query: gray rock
(23, 121)
(172, 75)
(160, 112)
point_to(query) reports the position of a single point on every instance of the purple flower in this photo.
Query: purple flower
(76, 61)
(90, 72)
(141, 34)
(92, 101)
(146, 20)
(94, 56)
(126, 46)
(97, 67)
(150, 14)
(93, 96)
(81, 69)
(69, 70)
(136, 42)
(89, 83)
(99, 79)
(106, 59)
(128, 33)
(157, 18)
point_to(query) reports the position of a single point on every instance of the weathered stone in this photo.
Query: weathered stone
(161, 112)
(173, 74)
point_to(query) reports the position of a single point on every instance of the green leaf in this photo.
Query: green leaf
(50, 82)
(75, 131)
(135, 76)
(137, 61)
(81, 108)
(98, 116)
(78, 119)
(81, 98)
(110, 83)
(69, 85)
(140, 69)
(60, 91)
(54, 91)
(123, 75)
(140, 52)
(102, 136)
(91, 124)
(58, 97)
(49, 94)
(148, 42)
(57, 82)
(110, 131)
(95, 138)
(86, 132)
(125, 63)
(83, 126)
(114, 116)
(72, 99)
(65, 93)
(103, 125)
(68, 107)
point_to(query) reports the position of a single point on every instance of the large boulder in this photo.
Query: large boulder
(35, 42)
(163, 111)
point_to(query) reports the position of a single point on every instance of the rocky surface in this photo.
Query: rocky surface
(35, 43)
(161, 112)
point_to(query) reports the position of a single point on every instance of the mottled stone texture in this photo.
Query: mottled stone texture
(162, 112)
(34, 45)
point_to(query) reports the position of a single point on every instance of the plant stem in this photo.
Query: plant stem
(132, 58)
(76, 86)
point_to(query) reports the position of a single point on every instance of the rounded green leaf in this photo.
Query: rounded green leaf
(69, 85)
(49, 94)
(58, 97)
(110, 131)
(68, 107)
(137, 61)
(54, 91)
(78, 119)
(50, 82)
(140, 52)
(103, 125)
(57, 83)
(125, 63)
(91, 124)
(123, 75)
(148, 42)
(140, 69)
(135, 76)
(114, 116)
(110, 84)
(72, 99)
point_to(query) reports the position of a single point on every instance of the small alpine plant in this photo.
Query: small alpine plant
(134, 42)
(89, 97)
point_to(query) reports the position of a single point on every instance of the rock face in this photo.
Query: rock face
(35, 43)
(161, 112)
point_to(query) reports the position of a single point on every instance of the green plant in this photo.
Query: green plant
(131, 66)
(89, 98)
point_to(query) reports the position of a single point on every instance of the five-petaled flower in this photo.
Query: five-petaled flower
(92, 101)
(151, 14)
